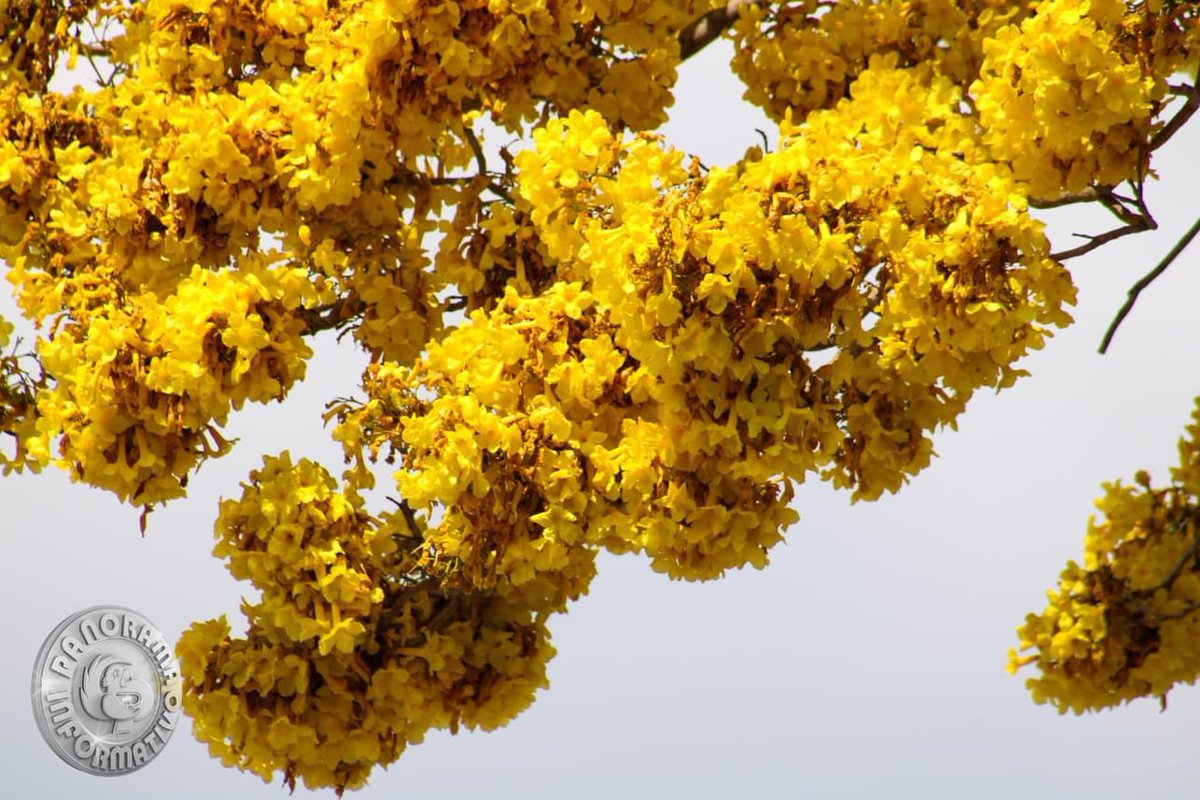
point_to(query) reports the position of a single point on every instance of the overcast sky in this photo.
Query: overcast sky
(867, 661)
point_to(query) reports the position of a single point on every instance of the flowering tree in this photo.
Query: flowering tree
(654, 351)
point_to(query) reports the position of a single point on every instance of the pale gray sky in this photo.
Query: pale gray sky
(867, 661)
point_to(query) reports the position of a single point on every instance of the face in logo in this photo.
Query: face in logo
(113, 691)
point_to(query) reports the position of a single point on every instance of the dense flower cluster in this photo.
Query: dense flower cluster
(142, 384)
(352, 651)
(1070, 96)
(329, 127)
(655, 353)
(668, 408)
(1126, 622)
(801, 55)
(1067, 91)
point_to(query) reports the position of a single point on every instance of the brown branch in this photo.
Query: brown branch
(1116, 204)
(410, 518)
(1086, 196)
(476, 148)
(481, 163)
(1185, 611)
(1105, 195)
(98, 49)
(1097, 241)
(455, 602)
(330, 316)
(449, 180)
(1181, 117)
(705, 30)
(1139, 187)
(420, 178)
(1169, 581)
(499, 191)
(1148, 279)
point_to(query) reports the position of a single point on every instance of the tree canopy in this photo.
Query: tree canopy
(651, 352)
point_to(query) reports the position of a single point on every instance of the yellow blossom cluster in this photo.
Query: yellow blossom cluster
(142, 385)
(1125, 623)
(666, 404)
(542, 444)
(1070, 96)
(1067, 91)
(802, 55)
(352, 651)
(331, 127)
(490, 246)
(876, 234)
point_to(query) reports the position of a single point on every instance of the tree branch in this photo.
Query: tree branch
(1097, 241)
(705, 30)
(1117, 205)
(1148, 279)
(1086, 196)
(481, 162)
(1182, 116)
(410, 518)
(334, 315)
(1139, 187)
(476, 148)
(1183, 612)
(1169, 581)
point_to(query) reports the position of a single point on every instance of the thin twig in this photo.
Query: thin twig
(450, 180)
(97, 49)
(327, 317)
(104, 82)
(476, 148)
(1086, 196)
(1116, 204)
(1182, 116)
(481, 163)
(1097, 241)
(410, 518)
(1169, 581)
(454, 604)
(1185, 611)
(1148, 279)
(499, 191)
(1139, 187)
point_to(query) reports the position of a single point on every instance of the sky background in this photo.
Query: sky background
(867, 661)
